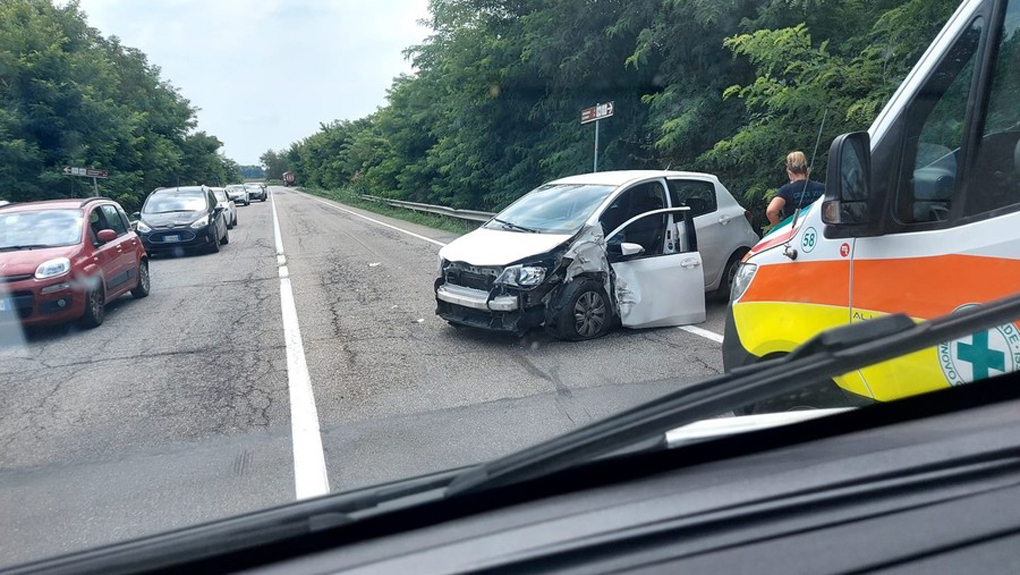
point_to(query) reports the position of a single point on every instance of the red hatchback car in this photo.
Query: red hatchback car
(63, 260)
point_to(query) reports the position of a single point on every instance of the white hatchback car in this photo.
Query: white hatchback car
(578, 253)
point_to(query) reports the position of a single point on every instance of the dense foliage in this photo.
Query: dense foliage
(252, 172)
(726, 86)
(69, 96)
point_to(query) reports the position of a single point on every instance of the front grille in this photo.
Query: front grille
(159, 237)
(472, 277)
(17, 278)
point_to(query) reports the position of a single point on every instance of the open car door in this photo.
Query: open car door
(658, 277)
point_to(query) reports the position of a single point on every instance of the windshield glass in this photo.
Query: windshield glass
(49, 228)
(416, 274)
(557, 208)
(182, 201)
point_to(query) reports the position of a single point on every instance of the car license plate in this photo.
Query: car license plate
(5, 304)
(171, 238)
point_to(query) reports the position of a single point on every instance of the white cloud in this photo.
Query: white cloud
(266, 73)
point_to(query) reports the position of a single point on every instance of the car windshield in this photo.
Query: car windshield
(41, 229)
(555, 208)
(415, 272)
(182, 201)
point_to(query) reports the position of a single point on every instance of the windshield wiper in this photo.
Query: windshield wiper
(165, 212)
(514, 226)
(827, 355)
(24, 247)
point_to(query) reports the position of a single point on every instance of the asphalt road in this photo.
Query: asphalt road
(178, 409)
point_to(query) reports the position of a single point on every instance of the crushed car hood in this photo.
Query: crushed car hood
(484, 247)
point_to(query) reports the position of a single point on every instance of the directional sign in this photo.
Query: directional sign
(597, 112)
(85, 172)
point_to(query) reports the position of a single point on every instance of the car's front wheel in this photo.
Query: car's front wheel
(586, 312)
(95, 308)
(142, 289)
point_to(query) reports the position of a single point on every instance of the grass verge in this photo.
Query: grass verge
(349, 198)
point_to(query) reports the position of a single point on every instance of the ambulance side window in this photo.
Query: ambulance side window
(935, 123)
(994, 177)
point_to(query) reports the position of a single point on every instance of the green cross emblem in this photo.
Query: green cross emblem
(979, 355)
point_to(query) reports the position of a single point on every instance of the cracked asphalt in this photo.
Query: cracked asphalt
(175, 411)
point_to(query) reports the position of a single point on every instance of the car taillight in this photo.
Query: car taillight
(750, 220)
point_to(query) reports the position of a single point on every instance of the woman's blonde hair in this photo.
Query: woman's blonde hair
(796, 162)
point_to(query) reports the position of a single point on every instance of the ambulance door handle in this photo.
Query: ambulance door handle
(690, 264)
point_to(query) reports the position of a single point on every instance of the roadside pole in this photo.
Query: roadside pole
(95, 186)
(594, 114)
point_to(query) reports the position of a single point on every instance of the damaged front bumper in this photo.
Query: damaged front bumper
(476, 298)
(474, 308)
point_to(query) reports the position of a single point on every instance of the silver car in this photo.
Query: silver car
(229, 207)
(238, 194)
(579, 253)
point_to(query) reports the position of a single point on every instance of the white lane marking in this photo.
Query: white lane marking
(688, 328)
(374, 221)
(310, 478)
(702, 332)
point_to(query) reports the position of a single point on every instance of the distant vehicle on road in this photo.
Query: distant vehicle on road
(224, 201)
(288, 178)
(175, 219)
(579, 253)
(257, 191)
(64, 260)
(239, 194)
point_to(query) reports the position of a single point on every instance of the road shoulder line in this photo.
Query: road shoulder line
(310, 479)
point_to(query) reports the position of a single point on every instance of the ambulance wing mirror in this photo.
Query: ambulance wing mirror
(848, 181)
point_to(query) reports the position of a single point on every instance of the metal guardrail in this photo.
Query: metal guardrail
(470, 215)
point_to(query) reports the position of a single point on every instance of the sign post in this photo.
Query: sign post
(594, 114)
(87, 173)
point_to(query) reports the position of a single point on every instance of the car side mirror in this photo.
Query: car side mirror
(106, 235)
(136, 215)
(629, 249)
(848, 181)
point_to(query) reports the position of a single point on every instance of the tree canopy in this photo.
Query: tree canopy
(69, 96)
(725, 86)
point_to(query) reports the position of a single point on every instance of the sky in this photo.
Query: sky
(265, 73)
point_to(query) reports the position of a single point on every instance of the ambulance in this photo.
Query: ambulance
(921, 215)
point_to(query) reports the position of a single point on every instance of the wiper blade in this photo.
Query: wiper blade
(166, 212)
(24, 247)
(514, 226)
(827, 355)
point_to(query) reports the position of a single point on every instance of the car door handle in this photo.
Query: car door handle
(724, 220)
(690, 264)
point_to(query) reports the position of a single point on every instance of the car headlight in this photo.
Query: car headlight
(745, 273)
(200, 223)
(522, 276)
(141, 227)
(442, 266)
(53, 268)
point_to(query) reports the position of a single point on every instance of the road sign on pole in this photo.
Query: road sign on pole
(87, 173)
(594, 114)
(597, 112)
